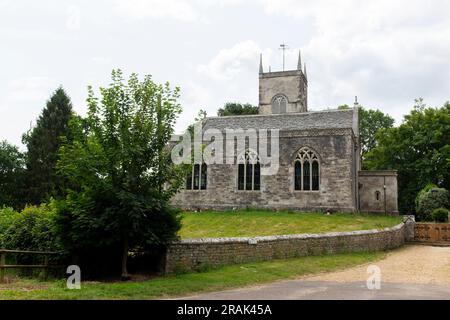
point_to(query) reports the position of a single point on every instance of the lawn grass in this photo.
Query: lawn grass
(189, 283)
(250, 223)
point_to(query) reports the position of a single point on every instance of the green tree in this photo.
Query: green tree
(43, 142)
(201, 115)
(121, 167)
(419, 149)
(237, 109)
(12, 176)
(370, 121)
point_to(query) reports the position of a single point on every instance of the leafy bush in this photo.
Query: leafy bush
(430, 198)
(31, 229)
(7, 216)
(440, 215)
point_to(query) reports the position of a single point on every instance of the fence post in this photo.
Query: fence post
(2, 267)
(46, 267)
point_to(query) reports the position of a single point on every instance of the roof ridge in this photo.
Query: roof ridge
(281, 114)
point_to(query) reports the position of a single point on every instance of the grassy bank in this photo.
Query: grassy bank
(190, 283)
(213, 224)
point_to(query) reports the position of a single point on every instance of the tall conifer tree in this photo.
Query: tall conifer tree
(43, 142)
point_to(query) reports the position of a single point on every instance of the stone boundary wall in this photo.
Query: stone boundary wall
(196, 254)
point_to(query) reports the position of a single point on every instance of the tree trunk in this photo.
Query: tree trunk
(125, 275)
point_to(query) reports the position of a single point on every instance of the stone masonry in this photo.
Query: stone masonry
(196, 254)
(333, 135)
(378, 191)
(328, 133)
(292, 85)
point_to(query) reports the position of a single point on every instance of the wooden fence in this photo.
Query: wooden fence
(432, 232)
(45, 266)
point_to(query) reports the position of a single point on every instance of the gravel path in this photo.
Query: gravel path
(410, 264)
(412, 272)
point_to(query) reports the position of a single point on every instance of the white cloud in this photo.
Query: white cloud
(73, 21)
(387, 52)
(4, 3)
(373, 49)
(101, 60)
(182, 10)
(22, 104)
(33, 88)
(196, 94)
(193, 98)
(140, 9)
(232, 62)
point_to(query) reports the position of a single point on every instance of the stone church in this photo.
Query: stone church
(319, 158)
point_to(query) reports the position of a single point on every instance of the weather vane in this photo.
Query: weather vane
(284, 47)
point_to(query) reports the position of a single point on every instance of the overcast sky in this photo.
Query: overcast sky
(387, 52)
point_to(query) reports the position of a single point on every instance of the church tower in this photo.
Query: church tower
(283, 91)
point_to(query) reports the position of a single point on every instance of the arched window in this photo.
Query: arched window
(315, 175)
(189, 181)
(197, 177)
(203, 176)
(307, 171)
(377, 195)
(249, 171)
(306, 175)
(279, 104)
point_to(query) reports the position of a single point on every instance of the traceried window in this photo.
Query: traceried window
(306, 168)
(197, 177)
(249, 171)
(279, 104)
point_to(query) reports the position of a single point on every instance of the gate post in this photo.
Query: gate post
(46, 267)
(410, 222)
(2, 267)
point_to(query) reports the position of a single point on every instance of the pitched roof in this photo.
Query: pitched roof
(329, 119)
